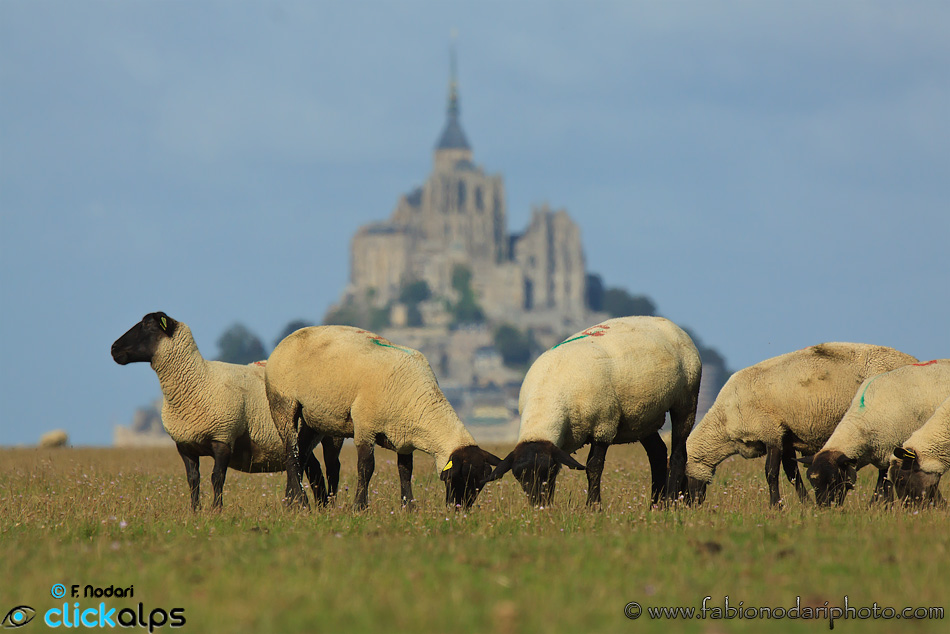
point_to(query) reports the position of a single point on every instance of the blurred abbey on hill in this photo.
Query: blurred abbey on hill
(444, 275)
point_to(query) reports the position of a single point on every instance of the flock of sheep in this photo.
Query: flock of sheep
(840, 405)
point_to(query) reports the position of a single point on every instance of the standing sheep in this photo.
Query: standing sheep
(343, 381)
(884, 412)
(215, 409)
(607, 385)
(780, 405)
(923, 459)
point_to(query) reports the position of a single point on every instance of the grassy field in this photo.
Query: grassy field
(122, 517)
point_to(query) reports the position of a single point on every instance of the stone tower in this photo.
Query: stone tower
(459, 217)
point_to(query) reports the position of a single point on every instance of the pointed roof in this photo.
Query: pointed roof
(453, 138)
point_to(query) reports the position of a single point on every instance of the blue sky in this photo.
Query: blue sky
(773, 175)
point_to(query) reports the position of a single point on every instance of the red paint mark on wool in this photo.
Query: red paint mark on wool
(920, 365)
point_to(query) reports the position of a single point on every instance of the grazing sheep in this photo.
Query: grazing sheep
(923, 459)
(215, 409)
(344, 381)
(884, 412)
(607, 385)
(780, 405)
(55, 438)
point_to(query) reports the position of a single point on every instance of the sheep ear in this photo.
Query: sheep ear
(843, 462)
(446, 471)
(566, 459)
(806, 460)
(907, 458)
(165, 323)
(501, 469)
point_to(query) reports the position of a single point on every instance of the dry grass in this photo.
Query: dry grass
(121, 517)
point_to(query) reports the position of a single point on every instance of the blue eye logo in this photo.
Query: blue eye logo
(18, 617)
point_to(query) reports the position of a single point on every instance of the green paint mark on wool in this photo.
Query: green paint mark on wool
(387, 345)
(570, 340)
(865, 391)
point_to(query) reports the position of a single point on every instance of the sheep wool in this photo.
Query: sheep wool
(213, 408)
(612, 383)
(783, 404)
(346, 381)
(931, 443)
(886, 410)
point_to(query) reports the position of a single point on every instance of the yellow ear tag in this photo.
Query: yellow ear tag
(164, 324)
(448, 466)
(910, 453)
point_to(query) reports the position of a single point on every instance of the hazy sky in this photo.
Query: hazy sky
(773, 175)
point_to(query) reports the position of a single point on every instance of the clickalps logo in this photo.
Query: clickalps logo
(74, 614)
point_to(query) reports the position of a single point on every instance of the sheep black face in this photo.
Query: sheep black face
(142, 339)
(697, 491)
(535, 466)
(832, 474)
(912, 484)
(466, 473)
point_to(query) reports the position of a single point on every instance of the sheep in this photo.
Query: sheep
(780, 405)
(53, 439)
(885, 411)
(345, 381)
(925, 456)
(215, 409)
(610, 384)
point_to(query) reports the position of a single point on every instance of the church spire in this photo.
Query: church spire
(452, 145)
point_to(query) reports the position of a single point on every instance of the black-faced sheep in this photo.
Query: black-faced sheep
(610, 384)
(919, 464)
(344, 381)
(884, 412)
(215, 409)
(780, 405)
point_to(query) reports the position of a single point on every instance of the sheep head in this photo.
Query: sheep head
(141, 341)
(698, 477)
(832, 474)
(466, 473)
(913, 484)
(535, 466)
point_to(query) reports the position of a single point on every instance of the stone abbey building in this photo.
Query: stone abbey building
(459, 217)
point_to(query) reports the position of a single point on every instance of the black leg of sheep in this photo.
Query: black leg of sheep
(773, 461)
(404, 462)
(656, 453)
(190, 458)
(790, 465)
(595, 469)
(331, 460)
(365, 465)
(222, 458)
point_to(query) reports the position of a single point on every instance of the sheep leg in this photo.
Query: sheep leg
(656, 453)
(595, 469)
(315, 475)
(773, 460)
(365, 465)
(222, 457)
(682, 420)
(288, 418)
(331, 460)
(191, 472)
(307, 442)
(404, 461)
(790, 465)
